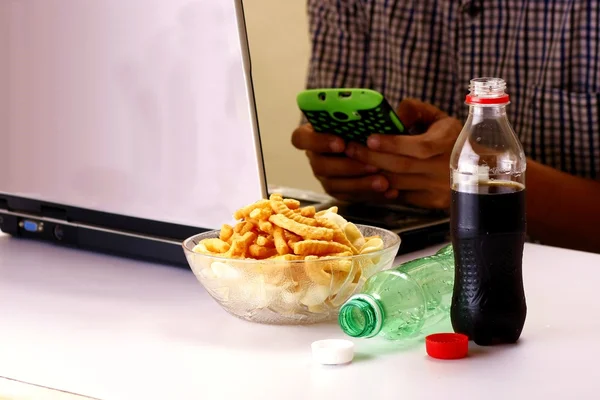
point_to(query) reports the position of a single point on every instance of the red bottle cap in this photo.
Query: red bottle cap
(447, 346)
(504, 99)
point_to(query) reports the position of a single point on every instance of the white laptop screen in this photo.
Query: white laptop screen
(132, 107)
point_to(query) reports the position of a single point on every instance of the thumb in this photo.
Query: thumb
(413, 112)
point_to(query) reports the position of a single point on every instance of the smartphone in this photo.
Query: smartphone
(352, 114)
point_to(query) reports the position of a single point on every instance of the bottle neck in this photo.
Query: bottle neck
(478, 112)
(361, 316)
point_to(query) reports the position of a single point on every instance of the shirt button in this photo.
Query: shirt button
(473, 8)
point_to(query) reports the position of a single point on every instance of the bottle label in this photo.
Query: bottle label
(471, 175)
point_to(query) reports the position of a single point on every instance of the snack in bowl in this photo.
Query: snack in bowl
(282, 263)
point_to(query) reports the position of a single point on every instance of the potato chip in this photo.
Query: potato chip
(354, 235)
(333, 210)
(373, 245)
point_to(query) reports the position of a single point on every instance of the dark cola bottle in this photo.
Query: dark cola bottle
(488, 222)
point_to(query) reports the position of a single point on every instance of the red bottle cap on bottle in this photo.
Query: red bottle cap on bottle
(487, 91)
(504, 99)
(447, 346)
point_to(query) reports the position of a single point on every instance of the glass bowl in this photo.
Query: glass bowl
(296, 292)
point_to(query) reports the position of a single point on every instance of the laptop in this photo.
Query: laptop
(129, 125)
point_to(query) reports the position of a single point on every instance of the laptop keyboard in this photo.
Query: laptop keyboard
(386, 217)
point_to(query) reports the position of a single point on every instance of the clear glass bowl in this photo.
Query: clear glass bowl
(295, 292)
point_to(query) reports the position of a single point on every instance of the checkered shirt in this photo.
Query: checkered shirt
(548, 52)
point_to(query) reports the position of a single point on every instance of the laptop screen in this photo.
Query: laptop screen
(140, 108)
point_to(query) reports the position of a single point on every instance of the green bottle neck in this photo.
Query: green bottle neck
(361, 316)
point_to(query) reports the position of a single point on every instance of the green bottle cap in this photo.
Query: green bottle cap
(361, 316)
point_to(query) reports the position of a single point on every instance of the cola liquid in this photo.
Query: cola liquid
(488, 303)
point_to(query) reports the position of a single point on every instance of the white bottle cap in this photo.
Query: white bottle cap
(333, 351)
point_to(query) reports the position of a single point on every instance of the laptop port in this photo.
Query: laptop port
(59, 233)
(31, 226)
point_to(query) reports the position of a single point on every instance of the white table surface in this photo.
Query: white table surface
(113, 328)
(11, 389)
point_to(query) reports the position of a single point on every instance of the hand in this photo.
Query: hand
(417, 167)
(342, 177)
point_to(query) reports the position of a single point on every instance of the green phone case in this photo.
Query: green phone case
(353, 114)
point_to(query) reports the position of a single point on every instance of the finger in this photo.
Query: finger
(391, 194)
(438, 139)
(397, 163)
(413, 111)
(337, 167)
(366, 184)
(305, 138)
(426, 199)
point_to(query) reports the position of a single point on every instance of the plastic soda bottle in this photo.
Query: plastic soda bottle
(488, 224)
(401, 303)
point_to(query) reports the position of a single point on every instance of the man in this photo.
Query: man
(421, 55)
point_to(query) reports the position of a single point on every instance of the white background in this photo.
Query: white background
(136, 107)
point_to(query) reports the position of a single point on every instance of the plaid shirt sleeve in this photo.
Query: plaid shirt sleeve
(339, 41)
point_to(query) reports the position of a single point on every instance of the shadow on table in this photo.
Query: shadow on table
(476, 351)
(369, 349)
(378, 347)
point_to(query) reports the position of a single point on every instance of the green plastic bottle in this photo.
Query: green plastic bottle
(401, 303)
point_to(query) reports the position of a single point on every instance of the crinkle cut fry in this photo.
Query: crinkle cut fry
(338, 235)
(319, 248)
(307, 232)
(245, 211)
(279, 207)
